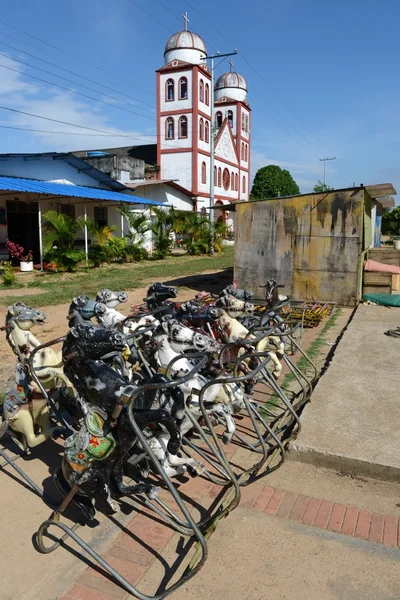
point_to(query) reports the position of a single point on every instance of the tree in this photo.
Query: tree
(391, 222)
(162, 227)
(271, 182)
(322, 187)
(60, 234)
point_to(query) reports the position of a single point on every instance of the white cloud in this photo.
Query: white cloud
(49, 102)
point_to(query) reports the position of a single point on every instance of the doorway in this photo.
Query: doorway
(23, 226)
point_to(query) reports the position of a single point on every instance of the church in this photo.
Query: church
(185, 124)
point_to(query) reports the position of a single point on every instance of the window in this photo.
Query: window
(101, 216)
(243, 121)
(68, 209)
(206, 132)
(203, 173)
(218, 118)
(170, 91)
(169, 129)
(201, 93)
(244, 185)
(236, 182)
(245, 152)
(219, 177)
(232, 181)
(201, 128)
(226, 179)
(215, 176)
(183, 88)
(183, 127)
(207, 94)
(230, 118)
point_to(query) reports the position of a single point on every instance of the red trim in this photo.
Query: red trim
(182, 111)
(166, 90)
(205, 115)
(179, 88)
(184, 65)
(166, 128)
(195, 136)
(158, 94)
(182, 137)
(177, 150)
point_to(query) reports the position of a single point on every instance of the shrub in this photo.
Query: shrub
(61, 232)
(136, 252)
(8, 273)
(116, 249)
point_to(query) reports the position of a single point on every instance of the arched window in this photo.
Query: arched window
(245, 152)
(206, 132)
(236, 182)
(201, 93)
(183, 88)
(201, 128)
(232, 181)
(226, 179)
(242, 151)
(207, 94)
(243, 121)
(219, 177)
(169, 128)
(170, 90)
(215, 177)
(230, 118)
(218, 118)
(183, 127)
(203, 173)
(244, 184)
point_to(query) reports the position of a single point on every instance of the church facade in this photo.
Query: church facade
(185, 124)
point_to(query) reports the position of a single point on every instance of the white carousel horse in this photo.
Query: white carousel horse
(232, 330)
(112, 317)
(234, 307)
(221, 399)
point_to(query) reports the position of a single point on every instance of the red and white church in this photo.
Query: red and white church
(185, 124)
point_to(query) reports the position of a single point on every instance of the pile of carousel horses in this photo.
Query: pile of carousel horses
(154, 396)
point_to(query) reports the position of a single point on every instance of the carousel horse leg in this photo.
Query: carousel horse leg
(24, 424)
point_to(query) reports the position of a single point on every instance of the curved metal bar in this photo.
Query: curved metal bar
(36, 379)
(69, 532)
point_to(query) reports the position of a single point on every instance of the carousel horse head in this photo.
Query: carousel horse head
(24, 316)
(234, 307)
(111, 299)
(94, 342)
(83, 308)
(231, 290)
(197, 314)
(184, 338)
(158, 293)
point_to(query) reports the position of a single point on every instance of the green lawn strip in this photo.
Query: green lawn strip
(61, 287)
(312, 352)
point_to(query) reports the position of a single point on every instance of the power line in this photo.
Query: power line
(61, 87)
(72, 73)
(57, 132)
(151, 16)
(80, 59)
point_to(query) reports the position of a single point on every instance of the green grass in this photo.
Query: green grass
(58, 288)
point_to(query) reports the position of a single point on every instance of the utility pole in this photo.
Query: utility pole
(324, 161)
(212, 142)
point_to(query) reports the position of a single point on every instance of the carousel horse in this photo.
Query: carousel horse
(47, 363)
(103, 388)
(221, 399)
(231, 290)
(82, 309)
(158, 294)
(234, 307)
(112, 318)
(26, 412)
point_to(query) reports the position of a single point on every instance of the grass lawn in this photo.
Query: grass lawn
(57, 288)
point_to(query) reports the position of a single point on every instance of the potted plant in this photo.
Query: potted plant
(18, 253)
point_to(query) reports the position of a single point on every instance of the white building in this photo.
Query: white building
(185, 124)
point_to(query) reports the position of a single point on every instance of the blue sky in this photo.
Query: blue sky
(323, 77)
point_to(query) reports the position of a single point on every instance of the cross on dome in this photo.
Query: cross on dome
(186, 20)
(230, 65)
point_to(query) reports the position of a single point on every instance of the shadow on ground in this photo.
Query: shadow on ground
(210, 282)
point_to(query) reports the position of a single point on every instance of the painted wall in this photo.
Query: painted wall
(45, 169)
(166, 194)
(311, 244)
(178, 166)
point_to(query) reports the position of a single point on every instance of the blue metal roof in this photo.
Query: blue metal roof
(34, 186)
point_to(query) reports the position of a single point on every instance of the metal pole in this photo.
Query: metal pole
(324, 161)
(40, 235)
(122, 224)
(86, 236)
(212, 150)
(212, 143)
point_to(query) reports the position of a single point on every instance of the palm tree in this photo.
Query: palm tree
(60, 234)
(99, 234)
(138, 225)
(161, 228)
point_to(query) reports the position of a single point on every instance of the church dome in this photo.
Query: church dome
(233, 85)
(185, 46)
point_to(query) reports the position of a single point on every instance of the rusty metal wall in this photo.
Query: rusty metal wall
(309, 243)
